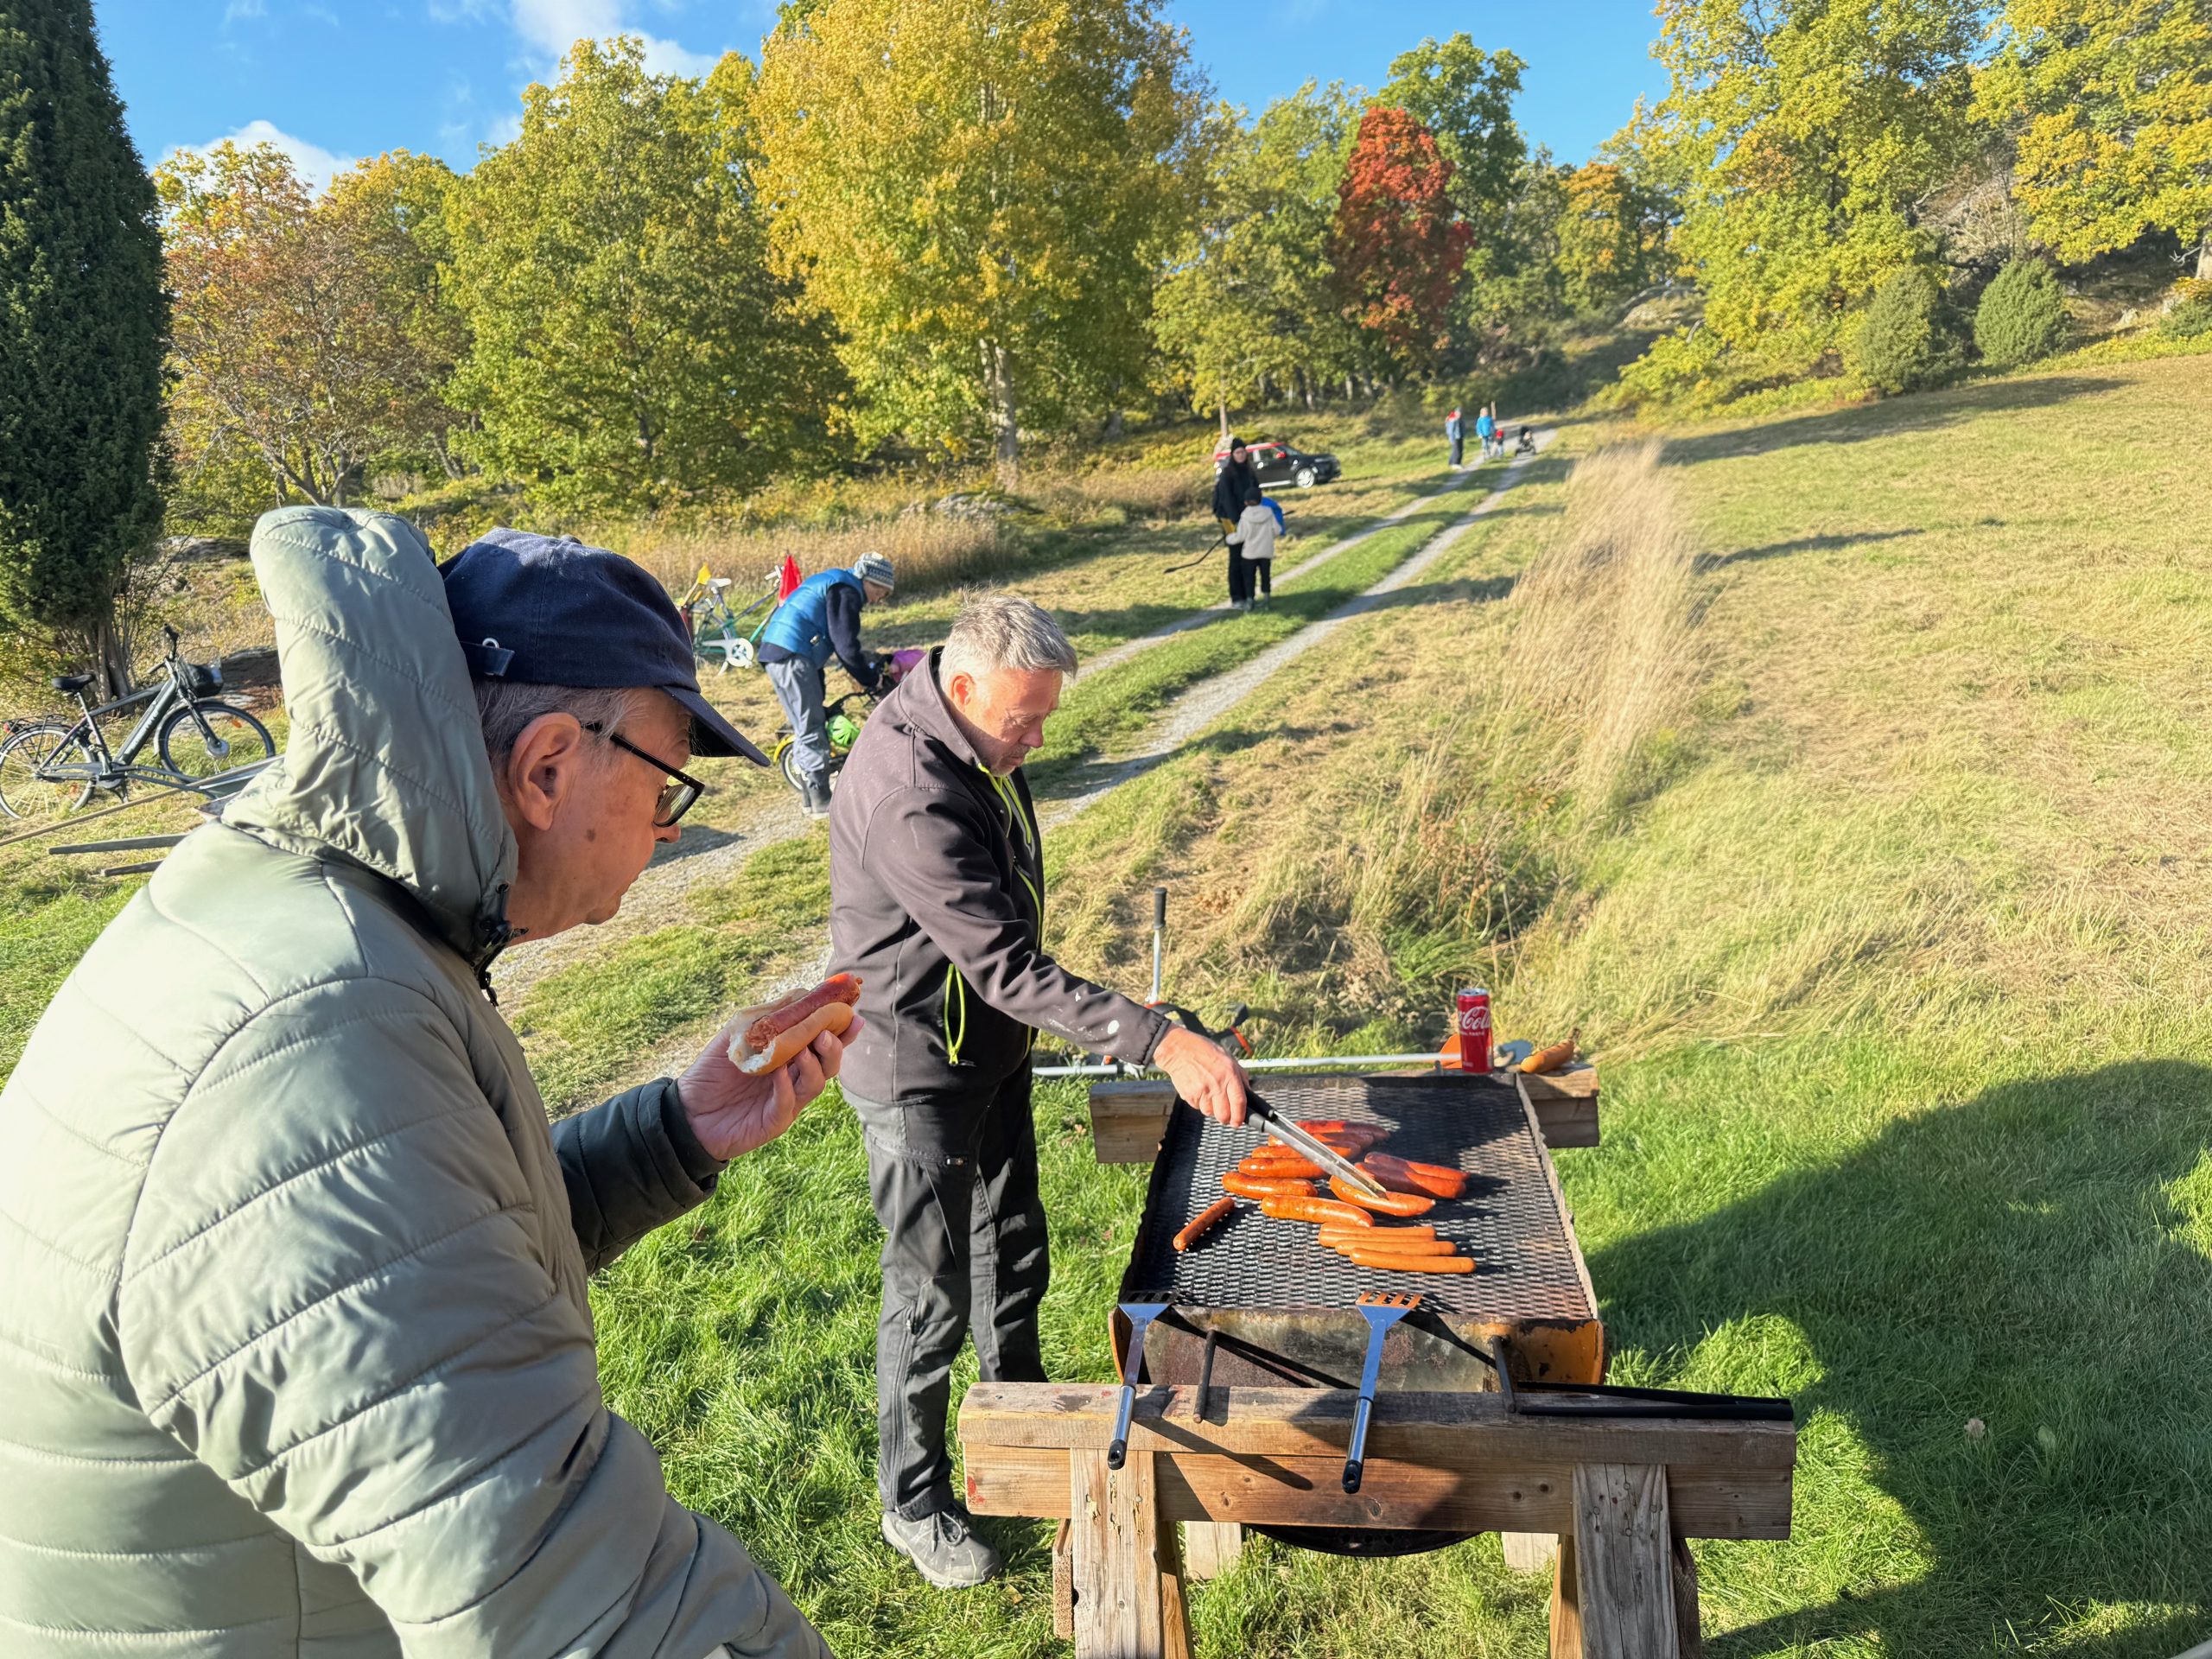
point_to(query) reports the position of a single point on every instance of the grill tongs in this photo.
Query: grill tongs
(1384, 1309)
(1258, 1111)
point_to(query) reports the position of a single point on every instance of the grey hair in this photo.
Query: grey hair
(1002, 632)
(505, 707)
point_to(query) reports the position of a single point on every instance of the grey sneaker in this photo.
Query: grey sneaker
(943, 1548)
(814, 800)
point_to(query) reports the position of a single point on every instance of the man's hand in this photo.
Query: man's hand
(1202, 1074)
(732, 1111)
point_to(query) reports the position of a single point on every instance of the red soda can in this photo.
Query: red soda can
(1474, 1030)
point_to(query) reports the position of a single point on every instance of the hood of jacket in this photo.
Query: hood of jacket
(384, 765)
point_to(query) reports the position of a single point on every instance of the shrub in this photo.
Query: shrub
(2022, 315)
(2191, 314)
(1903, 340)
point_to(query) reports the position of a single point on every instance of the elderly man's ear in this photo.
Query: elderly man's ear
(542, 770)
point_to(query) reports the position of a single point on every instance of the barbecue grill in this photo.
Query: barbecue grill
(1260, 1302)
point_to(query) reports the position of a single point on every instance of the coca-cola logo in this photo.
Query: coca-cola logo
(1474, 1018)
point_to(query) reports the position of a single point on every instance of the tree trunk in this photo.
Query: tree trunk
(111, 658)
(2204, 257)
(998, 378)
(1115, 428)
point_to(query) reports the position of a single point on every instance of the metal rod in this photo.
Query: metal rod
(1159, 936)
(1206, 1371)
(121, 844)
(1289, 1064)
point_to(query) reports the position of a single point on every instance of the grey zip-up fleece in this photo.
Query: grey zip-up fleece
(937, 900)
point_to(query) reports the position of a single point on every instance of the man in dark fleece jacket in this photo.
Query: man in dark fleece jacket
(937, 900)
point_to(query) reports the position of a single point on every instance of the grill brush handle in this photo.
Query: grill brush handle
(1355, 1463)
(1140, 1315)
(1117, 1451)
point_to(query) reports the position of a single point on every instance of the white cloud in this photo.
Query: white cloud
(551, 27)
(315, 165)
(240, 10)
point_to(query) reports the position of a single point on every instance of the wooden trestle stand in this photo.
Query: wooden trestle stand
(1619, 1495)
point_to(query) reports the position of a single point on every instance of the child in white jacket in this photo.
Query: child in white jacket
(1253, 548)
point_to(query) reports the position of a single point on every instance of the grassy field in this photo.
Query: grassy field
(1844, 776)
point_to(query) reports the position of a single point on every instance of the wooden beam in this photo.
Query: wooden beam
(1689, 1626)
(1064, 1581)
(1624, 1578)
(1128, 1600)
(1210, 1548)
(1529, 1552)
(1128, 1115)
(1434, 1460)
(1567, 1605)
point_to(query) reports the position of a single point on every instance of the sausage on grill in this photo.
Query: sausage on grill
(1204, 1223)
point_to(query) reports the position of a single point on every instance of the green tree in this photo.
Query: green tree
(1807, 132)
(2022, 315)
(1611, 237)
(628, 346)
(982, 193)
(82, 319)
(2109, 103)
(1248, 305)
(308, 334)
(1464, 95)
(1903, 341)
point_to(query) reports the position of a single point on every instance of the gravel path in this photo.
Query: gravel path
(659, 896)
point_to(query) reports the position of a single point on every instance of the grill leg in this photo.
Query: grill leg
(1129, 1572)
(1210, 1548)
(1623, 1566)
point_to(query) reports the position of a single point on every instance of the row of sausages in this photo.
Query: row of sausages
(1283, 1182)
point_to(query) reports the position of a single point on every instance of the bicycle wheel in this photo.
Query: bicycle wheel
(787, 757)
(239, 740)
(43, 749)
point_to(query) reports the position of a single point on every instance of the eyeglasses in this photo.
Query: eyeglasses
(676, 797)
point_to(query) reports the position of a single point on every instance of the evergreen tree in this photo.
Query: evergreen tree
(82, 317)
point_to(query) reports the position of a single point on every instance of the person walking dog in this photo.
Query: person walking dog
(822, 618)
(1455, 432)
(295, 1356)
(937, 903)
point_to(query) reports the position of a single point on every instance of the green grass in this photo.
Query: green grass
(1892, 948)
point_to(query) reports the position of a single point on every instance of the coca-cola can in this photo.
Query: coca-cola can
(1474, 1030)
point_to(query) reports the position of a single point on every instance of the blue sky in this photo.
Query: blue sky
(334, 80)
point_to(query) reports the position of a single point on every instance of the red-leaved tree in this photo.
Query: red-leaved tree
(1398, 246)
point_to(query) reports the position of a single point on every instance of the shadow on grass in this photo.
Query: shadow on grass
(1804, 544)
(2022, 1259)
(1925, 412)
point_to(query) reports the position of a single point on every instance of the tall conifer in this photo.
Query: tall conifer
(82, 321)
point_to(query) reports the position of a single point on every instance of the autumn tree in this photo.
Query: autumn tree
(1807, 132)
(1397, 246)
(300, 340)
(629, 346)
(1611, 235)
(1248, 303)
(981, 194)
(2109, 103)
(81, 321)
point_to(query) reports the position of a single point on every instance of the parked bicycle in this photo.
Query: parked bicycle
(842, 721)
(718, 633)
(51, 766)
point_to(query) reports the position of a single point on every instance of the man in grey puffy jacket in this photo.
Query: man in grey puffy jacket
(295, 1356)
(937, 900)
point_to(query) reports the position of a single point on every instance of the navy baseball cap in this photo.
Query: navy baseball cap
(550, 610)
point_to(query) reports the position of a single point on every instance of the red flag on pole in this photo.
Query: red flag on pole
(787, 579)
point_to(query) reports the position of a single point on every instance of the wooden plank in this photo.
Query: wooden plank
(1625, 1580)
(1308, 1491)
(1175, 1605)
(1566, 1607)
(1529, 1552)
(1128, 1115)
(1120, 1609)
(1453, 1430)
(1064, 1581)
(1690, 1629)
(1210, 1548)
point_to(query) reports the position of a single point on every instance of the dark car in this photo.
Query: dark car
(1278, 461)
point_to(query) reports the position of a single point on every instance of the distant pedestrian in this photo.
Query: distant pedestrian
(1255, 550)
(821, 619)
(1486, 429)
(1238, 478)
(1455, 430)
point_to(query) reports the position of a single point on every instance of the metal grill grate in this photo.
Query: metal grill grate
(1509, 1222)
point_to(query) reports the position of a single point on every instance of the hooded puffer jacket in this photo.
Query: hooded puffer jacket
(295, 1361)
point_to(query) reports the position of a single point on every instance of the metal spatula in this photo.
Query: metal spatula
(1384, 1309)
(1140, 1315)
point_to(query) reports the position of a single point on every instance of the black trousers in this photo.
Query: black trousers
(1459, 449)
(1263, 579)
(954, 1182)
(1240, 575)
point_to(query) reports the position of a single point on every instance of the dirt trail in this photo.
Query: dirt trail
(660, 896)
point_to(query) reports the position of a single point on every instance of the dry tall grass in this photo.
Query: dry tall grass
(1427, 862)
(929, 550)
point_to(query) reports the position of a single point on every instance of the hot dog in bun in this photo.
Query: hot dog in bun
(772, 1034)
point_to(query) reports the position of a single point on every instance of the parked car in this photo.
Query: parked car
(1278, 461)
